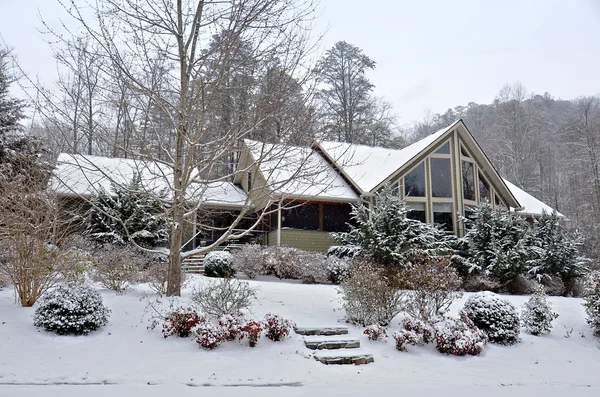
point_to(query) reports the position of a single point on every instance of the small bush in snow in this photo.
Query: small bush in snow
(368, 298)
(433, 283)
(71, 309)
(231, 326)
(592, 302)
(250, 260)
(180, 322)
(404, 338)
(480, 282)
(224, 296)
(338, 270)
(218, 264)
(414, 332)
(276, 327)
(252, 331)
(498, 318)
(209, 336)
(292, 263)
(459, 337)
(537, 314)
(375, 332)
(117, 267)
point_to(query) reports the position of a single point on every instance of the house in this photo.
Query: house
(304, 193)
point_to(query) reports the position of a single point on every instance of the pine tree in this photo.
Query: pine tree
(557, 253)
(537, 315)
(131, 214)
(388, 237)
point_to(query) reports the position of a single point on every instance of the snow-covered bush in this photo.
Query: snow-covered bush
(497, 317)
(538, 315)
(414, 332)
(251, 330)
(71, 309)
(592, 302)
(433, 284)
(224, 296)
(375, 332)
(208, 335)
(292, 263)
(344, 251)
(458, 337)
(404, 337)
(368, 298)
(180, 322)
(250, 260)
(231, 326)
(276, 327)
(480, 282)
(218, 264)
(117, 267)
(338, 270)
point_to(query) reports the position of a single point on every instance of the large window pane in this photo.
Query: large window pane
(441, 183)
(414, 182)
(468, 178)
(444, 149)
(417, 211)
(304, 216)
(336, 218)
(443, 216)
(484, 189)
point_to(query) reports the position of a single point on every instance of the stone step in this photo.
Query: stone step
(331, 343)
(344, 357)
(321, 330)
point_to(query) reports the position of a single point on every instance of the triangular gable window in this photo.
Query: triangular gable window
(444, 149)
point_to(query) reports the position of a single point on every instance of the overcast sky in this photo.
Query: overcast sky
(431, 55)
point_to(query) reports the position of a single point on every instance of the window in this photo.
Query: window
(484, 189)
(304, 216)
(336, 217)
(249, 180)
(395, 189)
(442, 215)
(441, 183)
(414, 182)
(468, 178)
(417, 211)
(444, 149)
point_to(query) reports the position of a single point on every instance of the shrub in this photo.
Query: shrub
(252, 331)
(249, 260)
(218, 264)
(209, 336)
(459, 337)
(537, 314)
(520, 285)
(344, 251)
(117, 267)
(422, 328)
(592, 302)
(498, 318)
(433, 283)
(480, 282)
(368, 298)
(180, 322)
(404, 337)
(231, 326)
(71, 309)
(156, 275)
(276, 327)
(375, 332)
(224, 296)
(338, 270)
(292, 263)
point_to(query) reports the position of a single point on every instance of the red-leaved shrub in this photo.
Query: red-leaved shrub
(277, 328)
(375, 332)
(230, 326)
(251, 330)
(459, 337)
(209, 336)
(180, 322)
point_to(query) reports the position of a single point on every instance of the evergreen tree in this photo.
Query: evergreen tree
(131, 214)
(537, 313)
(557, 253)
(388, 237)
(497, 243)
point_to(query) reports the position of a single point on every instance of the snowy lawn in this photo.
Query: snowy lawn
(125, 358)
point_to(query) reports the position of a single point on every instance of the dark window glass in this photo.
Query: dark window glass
(304, 216)
(414, 182)
(416, 211)
(395, 189)
(442, 215)
(468, 177)
(336, 218)
(249, 181)
(441, 184)
(484, 189)
(444, 149)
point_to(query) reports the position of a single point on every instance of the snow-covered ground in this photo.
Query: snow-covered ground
(125, 358)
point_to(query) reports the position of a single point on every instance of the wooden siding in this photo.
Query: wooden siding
(308, 240)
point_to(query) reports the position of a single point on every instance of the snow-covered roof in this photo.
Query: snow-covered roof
(369, 166)
(531, 205)
(81, 175)
(299, 172)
